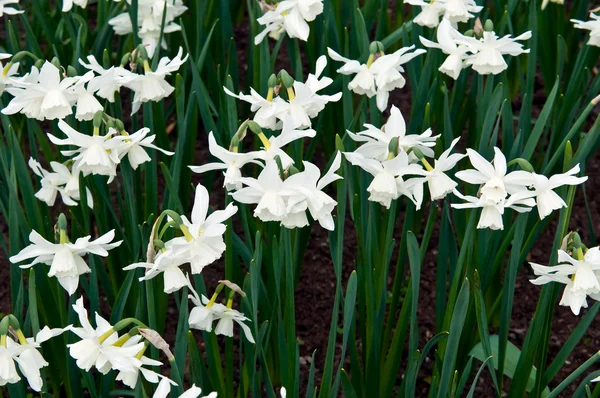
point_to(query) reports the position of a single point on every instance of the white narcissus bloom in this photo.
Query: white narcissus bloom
(30, 360)
(232, 162)
(6, 8)
(152, 86)
(8, 370)
(91, 352)
(459, 10)
(68, 4)
(108, 81)
(320, 205)
(580, 276)
(87, 105)
(133, 146)
(377, 141)
(8, 71)
(489, 50)
(168, 264)
(387, 184)
(65, 259)
(430, 12)
(291, 17)
(492, 209)
(438, 182)
(446, 36)
(203, 242)
(130, 378)
(42, 95)
(497, 184)
(264, 110)
(150, 21)
(378, 76)
(61, 180)
(96, 154)
(164, 389)
(593, 26)
(268, 192)
(276, 143)
(543, 190)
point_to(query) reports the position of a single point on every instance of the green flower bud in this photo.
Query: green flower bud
(272, 81)
(62, 222)
(39, 63)
(119, 125)
(373, 48)
(4, 325)
(469, 33)
(14, 322)
(488, 26)
(125, 59)
(393, 146)
(286, 79)
(56, 62)
(71, 72)
(98, 119)
(254, 127)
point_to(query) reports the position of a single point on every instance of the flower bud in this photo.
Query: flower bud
(71, 72)
(62, 222)
(119, 125)
(125, 59)
(98, 119)
(142, 53)
(157, 341)
(14, 322)
(286, 79)
(4, 325)
(488, 26)
(233, 287)
(373, 48)
(393, 146)
(159, 244)
(272, 81)
(254, 127)
(39, 63)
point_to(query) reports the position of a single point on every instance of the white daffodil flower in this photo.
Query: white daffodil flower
(167, 263)
(276, 143)
(96, 154)
(430, 12)
(291, 17)
(227, 316)
(91, 352)
(65, 259)
(579, 276)
(265, 110)
(150, 21)
(6, 8)
(87, 105)
(438, 182)
(108, 81)
(489, 50)
(320, 205)
(459, 10)
(61, 180)
(133, 146)
(378, 76)
(42, 95)
(593, 26)
(152, 86)
(68, 4)
(268, 192)
(543, 190)
(164, 389)
(232, 162)
(446, 36)
(203, 242)
(492, 210)
(8, 369)
(387, 184)
(497, 184)
(130, 378)
(29, 359)
(377, 141)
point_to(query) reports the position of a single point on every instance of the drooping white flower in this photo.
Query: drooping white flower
(61, 180)
(167, 263)
(446, 36)
(152, 85)
(91, 352)
(8, 370)
(150, 15)
(291, 17)
(133, 145)
(68, 4)
(277, 142)
(387, 184)
(268, 192)
(376, 141)
(489, 50)
(130, 378)
(87, 105)
(29, 359)
(593, 26)
(65, 259)
(579, 276)
(108, 81)
(497, 183)
(378, 76)
(320, 205)
(232, 162)
(203, 244)
(164, 389)
(42, 94)
(6, 8)
(430, 12)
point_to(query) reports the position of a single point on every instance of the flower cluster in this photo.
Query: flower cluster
(61, 180)
(380, 75)
(150, 17)
(289, 17)
(484, 53)
(454, 11)
(47, 93)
